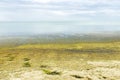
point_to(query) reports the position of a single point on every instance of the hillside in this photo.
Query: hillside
(56, 61)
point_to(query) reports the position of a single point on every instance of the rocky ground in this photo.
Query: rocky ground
(101, 70)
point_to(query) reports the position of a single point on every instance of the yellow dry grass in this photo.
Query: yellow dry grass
(56, 56)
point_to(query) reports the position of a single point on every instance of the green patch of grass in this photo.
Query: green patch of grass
(49, 72)
(77, 76)
(26, 59)
(44, 66)
(11, 58)
(26, 64)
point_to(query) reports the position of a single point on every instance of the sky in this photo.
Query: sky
(48, 16)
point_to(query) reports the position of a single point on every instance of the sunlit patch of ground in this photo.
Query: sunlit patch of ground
(101, 70)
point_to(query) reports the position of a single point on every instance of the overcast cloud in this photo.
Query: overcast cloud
(79, 12)
(36, 10)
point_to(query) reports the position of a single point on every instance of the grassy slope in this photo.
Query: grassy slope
(54, 54)
(64, 56)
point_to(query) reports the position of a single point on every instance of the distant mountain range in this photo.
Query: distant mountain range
(17, 39)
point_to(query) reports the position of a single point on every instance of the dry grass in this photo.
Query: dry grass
(65, 57)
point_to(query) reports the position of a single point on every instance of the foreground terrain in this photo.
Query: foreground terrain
(78, 61)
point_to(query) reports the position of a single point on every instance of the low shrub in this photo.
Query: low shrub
(26, 64)
(26, 59)
(51, 72)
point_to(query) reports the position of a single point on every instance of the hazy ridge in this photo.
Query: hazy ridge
(18, 39)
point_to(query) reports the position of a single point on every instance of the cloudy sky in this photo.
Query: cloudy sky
(60, 14)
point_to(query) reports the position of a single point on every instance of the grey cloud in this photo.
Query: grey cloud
(55, 8)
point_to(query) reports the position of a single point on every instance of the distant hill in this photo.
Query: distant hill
(59, 38)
